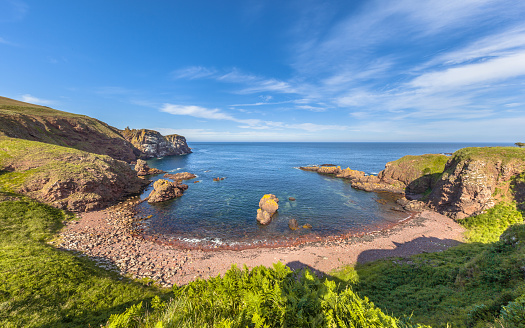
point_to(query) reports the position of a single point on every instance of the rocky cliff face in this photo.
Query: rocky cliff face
(63, 177)
(38, 123)
(475, 179)
(408, 175)
(152, 144)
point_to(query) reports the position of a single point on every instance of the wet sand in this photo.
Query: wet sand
(102, 237)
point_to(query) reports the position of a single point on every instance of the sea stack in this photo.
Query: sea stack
(268, 205)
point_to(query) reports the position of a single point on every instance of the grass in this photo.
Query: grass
(488, 227)
(464, 286)
(41, 286)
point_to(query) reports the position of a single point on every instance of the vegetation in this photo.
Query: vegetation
(472, 285)
(261, 297)
(41, 286)
(488, 227)
(520, 144)
(504, 155)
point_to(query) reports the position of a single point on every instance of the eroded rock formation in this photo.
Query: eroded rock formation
(164, 190)
(143, 168)
(268, 205)
(152, 144)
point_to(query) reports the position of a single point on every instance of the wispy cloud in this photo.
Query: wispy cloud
(193, 72)
(34, 100)
(256, 124)
(13, 10)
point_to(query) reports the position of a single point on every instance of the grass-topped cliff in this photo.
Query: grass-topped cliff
(38, 123)
(64, 177)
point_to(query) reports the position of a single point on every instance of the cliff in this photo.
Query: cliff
(471, 181)
(64, 177)
(409, 175)
(38, 123)
(475, 179)
(153, 144)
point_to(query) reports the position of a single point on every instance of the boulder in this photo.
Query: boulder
(292, 199)
(263, 217)
(292, 224)
(164, 190)
(180, 176)
(268, 205)
(143, 168)
(307, 226)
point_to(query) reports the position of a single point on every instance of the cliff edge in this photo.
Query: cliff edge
(152, 144)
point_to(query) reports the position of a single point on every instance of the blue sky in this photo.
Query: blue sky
(404, 70)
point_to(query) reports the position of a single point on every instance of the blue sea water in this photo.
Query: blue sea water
(222, 213)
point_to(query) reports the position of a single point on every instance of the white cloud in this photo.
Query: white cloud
(193, 72)
(485, 72)
(196, 111)
(256, 124)
(34, 100)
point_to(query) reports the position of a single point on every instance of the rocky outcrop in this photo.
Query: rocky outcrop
(268, 206)
(164, 190)
(63, 177)
(179, 144)
(407, 175)
(180, 176)
(475, 179)
(152, 144)
(38, 123)
(143, 168)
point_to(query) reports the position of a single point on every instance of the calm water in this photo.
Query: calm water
(222, 214)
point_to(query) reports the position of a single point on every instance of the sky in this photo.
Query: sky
(248, 70)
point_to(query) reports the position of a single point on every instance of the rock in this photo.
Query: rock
(309, 168)
(269, 203)
(152, 144)
(164, 190)
(325, 169)
(268, 206)
(143, 168)
(307, 226)
(196, 181)
(291, 199)
(477, 178)
(180, 176)
(292, 224)
(218, 179)
(263, 217)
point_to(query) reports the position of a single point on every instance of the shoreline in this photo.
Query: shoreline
(107, 236)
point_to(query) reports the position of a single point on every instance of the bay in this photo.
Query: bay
(219, 214)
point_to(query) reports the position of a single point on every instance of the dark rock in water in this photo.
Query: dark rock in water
(164, 190)
(218, 179)
(143, 168)
(291, 199)
(196, 181)
(268, 205)
(307, 226)
(180, 176)
(292, 224)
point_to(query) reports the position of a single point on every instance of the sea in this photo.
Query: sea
(221, 214)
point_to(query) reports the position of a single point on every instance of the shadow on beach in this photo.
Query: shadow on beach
(415, 246)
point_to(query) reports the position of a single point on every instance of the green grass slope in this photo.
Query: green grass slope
(64, 177)
(41, 286)
(470, 285)
(39, 123)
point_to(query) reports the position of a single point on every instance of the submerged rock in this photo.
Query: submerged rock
(268, 206)
(292, 199)
(292, 224)
(164, 190)
(143, 168)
